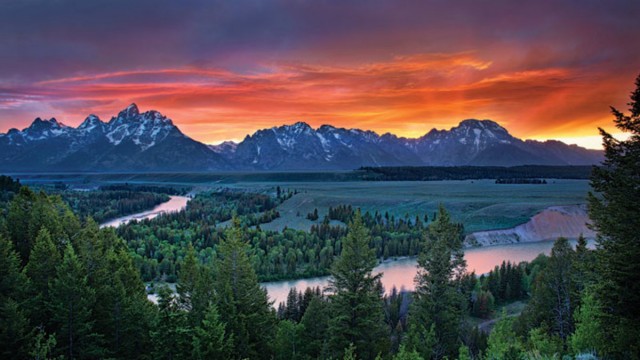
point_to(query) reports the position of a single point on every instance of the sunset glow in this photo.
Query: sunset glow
(539, 70)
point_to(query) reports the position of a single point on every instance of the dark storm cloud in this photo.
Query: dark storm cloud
(519, 60)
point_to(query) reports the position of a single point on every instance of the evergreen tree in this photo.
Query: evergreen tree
(288, 340)
(14, 326)
(615, 213)
(41, 270)
(315, 323)
(172, 337)
(404, 354)
(589, 335)
(244, 306)
(502, 344)
(71, 303)
(464, 353)
(195, 290)
(123, 315)
(356, 305)
(209, 340)
(439, 304)
(553, 298)
(43, 345)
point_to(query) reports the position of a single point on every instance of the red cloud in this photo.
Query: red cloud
(405, 95)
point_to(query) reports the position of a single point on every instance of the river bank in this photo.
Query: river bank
(175, 203)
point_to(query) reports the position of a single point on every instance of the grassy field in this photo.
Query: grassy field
(480, 205)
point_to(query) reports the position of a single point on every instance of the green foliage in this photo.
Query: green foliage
(13, 319)
(104, 204)
(464, 353)
(43, 345)
(541, 344)
(209, 338)
(288, 342)
(243, 304)
(439, 304)
(422, 173)
(614, 210)
(171, 334)
(502, 344)
(554, 298)
(589, 335)
(71, 304)
(404, 354)
(41, 269)
(357, 316)
(315, 323)
(28, 214)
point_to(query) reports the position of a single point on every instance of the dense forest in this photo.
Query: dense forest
(430, 173)
(159, 243)
(69, 289)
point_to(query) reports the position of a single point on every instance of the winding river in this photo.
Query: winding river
(400, 273)
(175, 203)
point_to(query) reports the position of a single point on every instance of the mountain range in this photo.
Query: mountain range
(149, 141)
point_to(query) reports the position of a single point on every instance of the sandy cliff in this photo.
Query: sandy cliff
(549, 224)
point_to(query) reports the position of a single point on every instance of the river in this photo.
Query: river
(175, 203)
(400, 273)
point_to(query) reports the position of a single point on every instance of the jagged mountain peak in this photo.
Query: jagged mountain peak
(149, 140)
(482, 125)
(298, 127)
(52, 123)
(131, 141)
(130, 112)
(91, 122)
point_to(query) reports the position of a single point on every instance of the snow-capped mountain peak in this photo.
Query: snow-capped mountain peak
(90, 123)
(132, 140)
(149, 140)
(130, 112)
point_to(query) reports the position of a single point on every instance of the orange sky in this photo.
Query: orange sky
(404, 95)
(542, 70)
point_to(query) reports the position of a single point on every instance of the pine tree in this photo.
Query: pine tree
(439, 305)
(615, 213)
(553, 298)
(356, 305)
(589, 334)
(404, 354)
(71, 303)
(244, 306)
(123, 314)
(172, 336)
(14, 326)
(41, 270)
(187, 277)
(315, 323)
(502, 344)
(209, 340)
(288, 340)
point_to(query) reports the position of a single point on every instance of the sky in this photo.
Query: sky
(224, 69)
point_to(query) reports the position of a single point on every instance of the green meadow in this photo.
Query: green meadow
(479, 204)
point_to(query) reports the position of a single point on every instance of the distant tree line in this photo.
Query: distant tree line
(168, 190)
(521, 181)
(433, 173)
(103, 205)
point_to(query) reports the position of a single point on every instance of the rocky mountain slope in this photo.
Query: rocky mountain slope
(149, 141)
(131, 141)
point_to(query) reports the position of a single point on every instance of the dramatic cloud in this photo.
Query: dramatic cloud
(224, 69)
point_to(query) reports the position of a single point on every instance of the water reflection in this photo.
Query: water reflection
(175, 203)
(400, 273)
